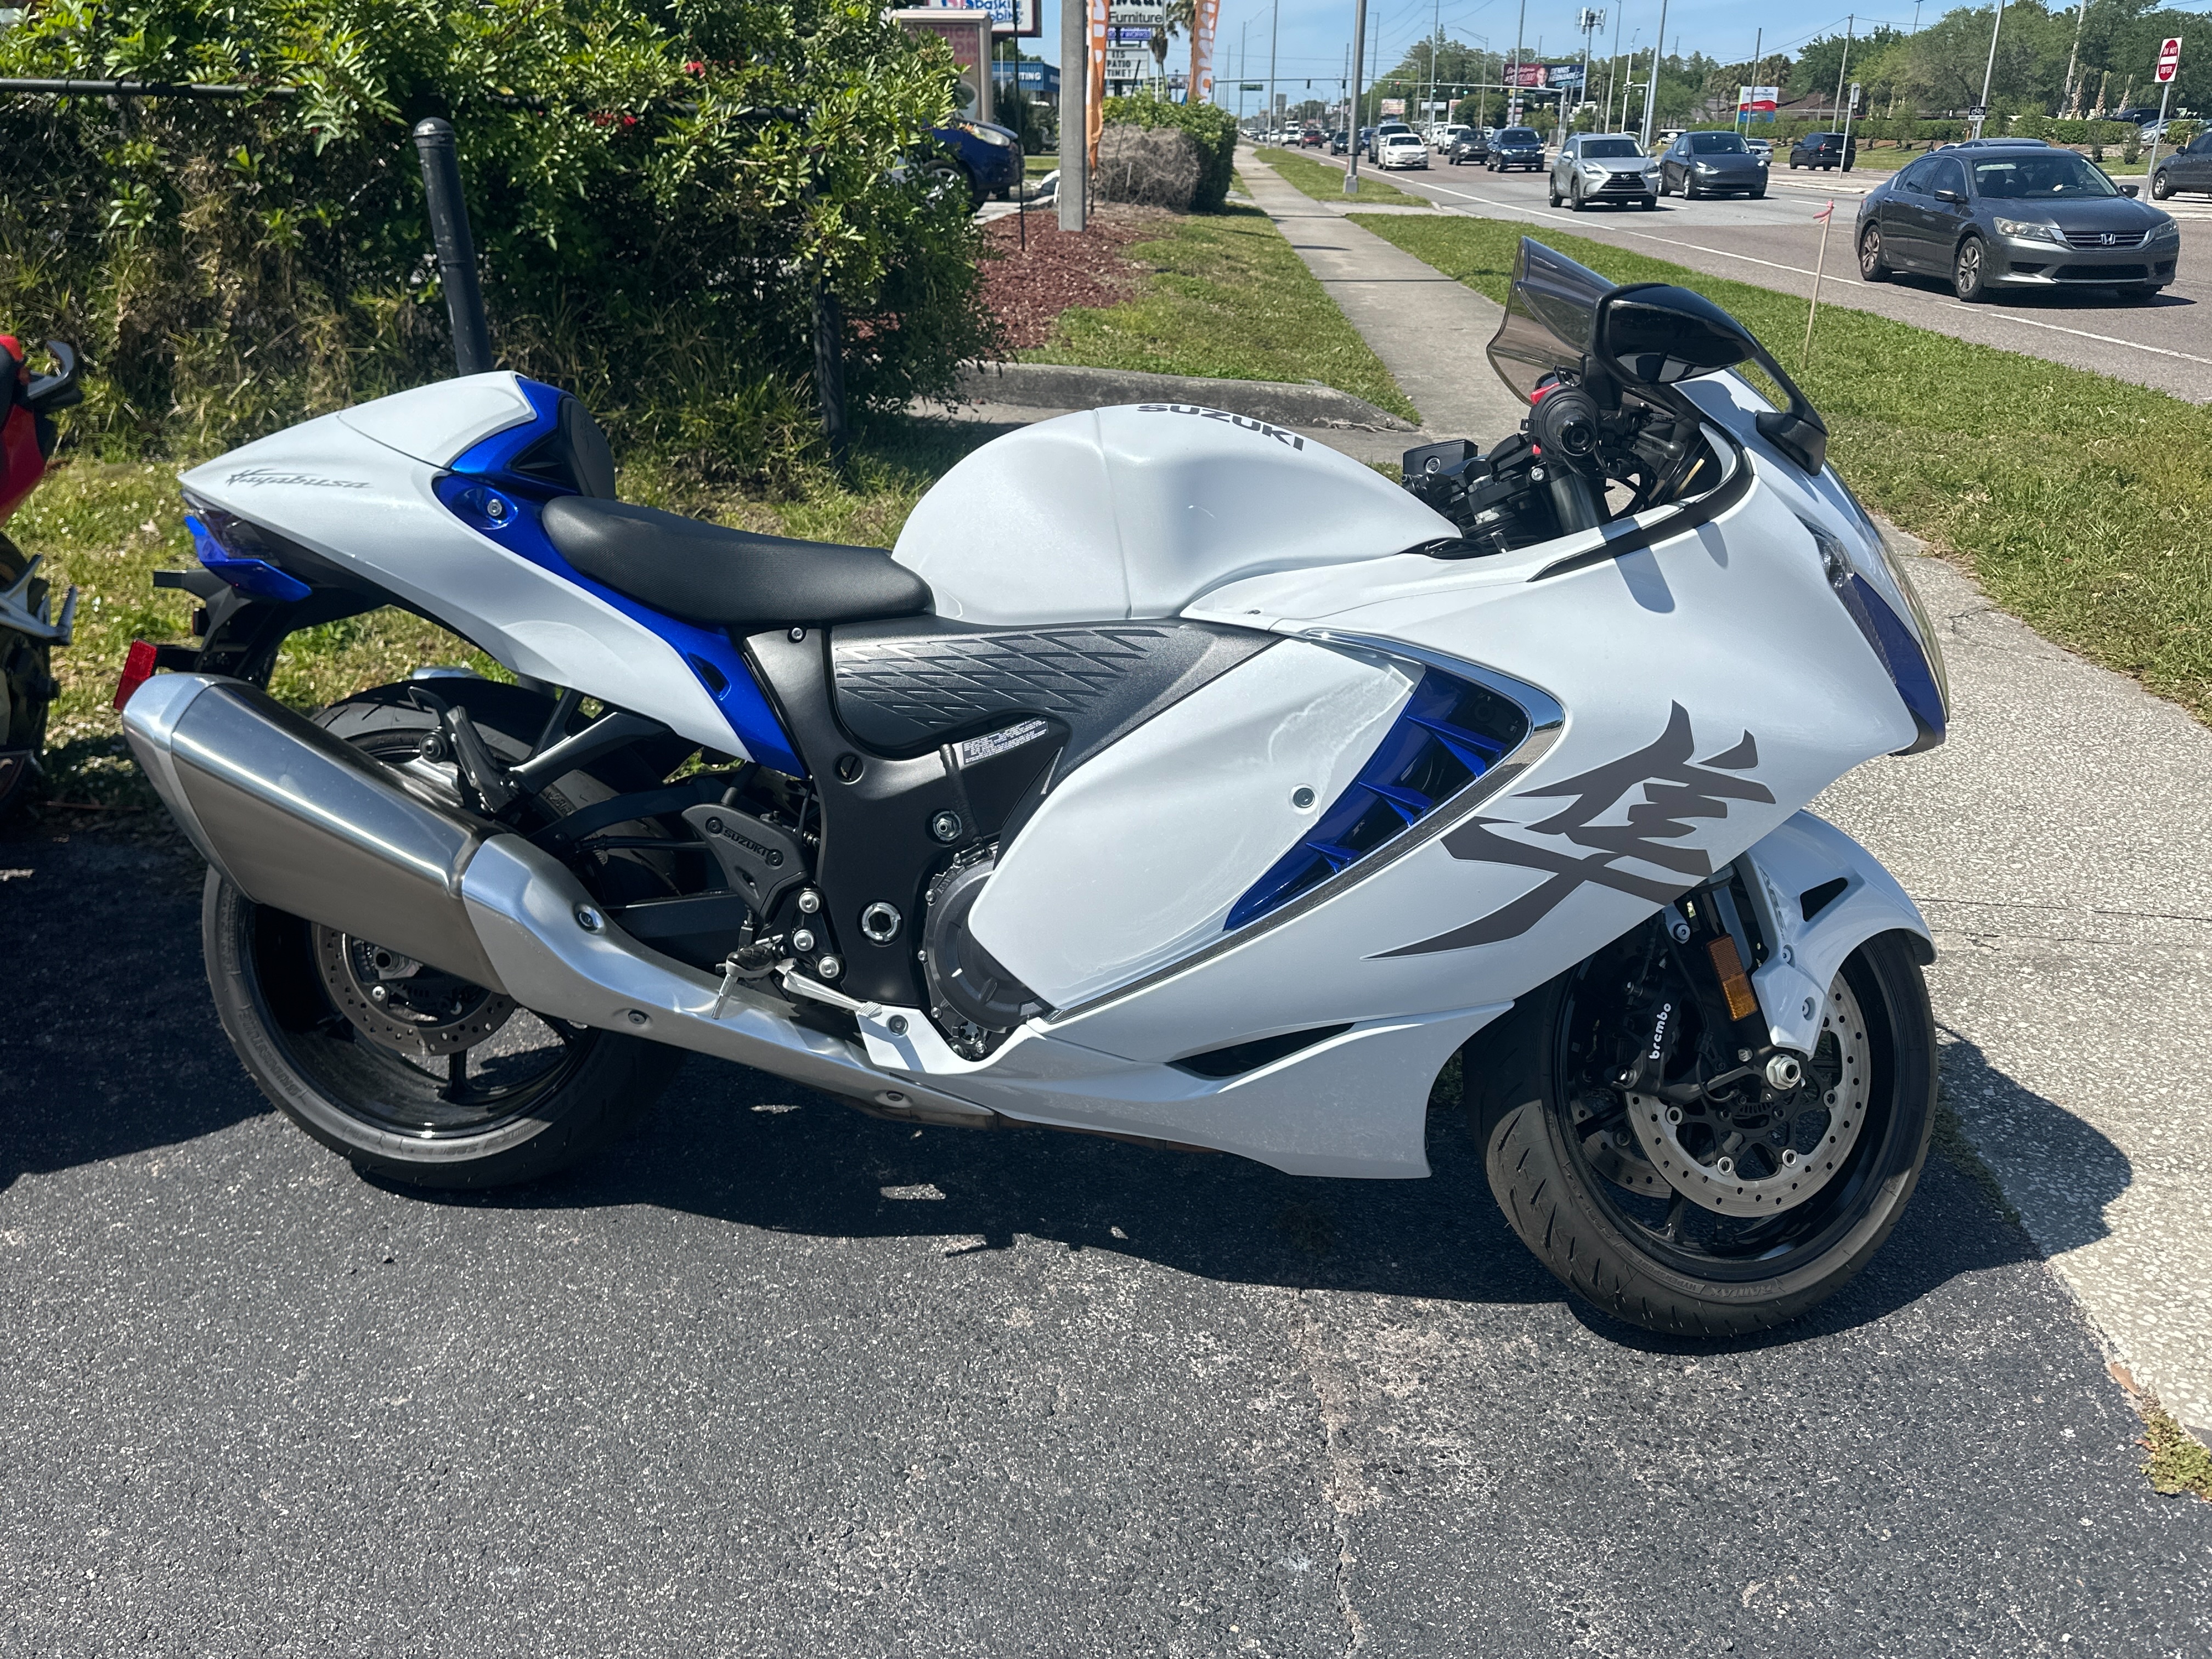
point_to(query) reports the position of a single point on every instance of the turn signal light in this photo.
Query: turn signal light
(1736, 984)
(137, 669)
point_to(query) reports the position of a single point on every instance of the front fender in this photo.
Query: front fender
(1803, 857)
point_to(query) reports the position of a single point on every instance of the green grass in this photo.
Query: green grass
(1326, 183)
(2175, 1462)
(107, 527)
(2078, 500)
(1227, 298)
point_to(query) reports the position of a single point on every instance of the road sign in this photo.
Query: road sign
(2169, 58)
(1977, 112)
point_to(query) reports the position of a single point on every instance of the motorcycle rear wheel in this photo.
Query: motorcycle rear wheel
(440, 1084)
(26, 687)
(1603, 1237)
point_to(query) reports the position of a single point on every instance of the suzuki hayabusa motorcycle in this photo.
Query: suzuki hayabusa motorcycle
(1173, 778)
(31, 627)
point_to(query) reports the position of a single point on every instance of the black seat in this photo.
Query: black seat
(731, 578)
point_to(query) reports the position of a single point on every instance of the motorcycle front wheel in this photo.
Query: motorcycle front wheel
(1698, 1222)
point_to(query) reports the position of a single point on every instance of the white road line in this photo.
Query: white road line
(1973, 311)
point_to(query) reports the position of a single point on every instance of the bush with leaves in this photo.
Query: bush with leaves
(656, 187)
(1213, 128)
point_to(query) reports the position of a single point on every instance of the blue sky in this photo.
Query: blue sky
(1314, 33)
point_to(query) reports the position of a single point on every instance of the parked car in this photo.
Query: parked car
(1380, 131)
(2013, 216)
(1404, 150)
(1712, 164)
(1516, 147)
(1609, 167)
(978, 157)
(1824, 150)
(2185, 169)
(1471, 145)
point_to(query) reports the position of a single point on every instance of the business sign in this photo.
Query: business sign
(967, 31)
(1021, 18)
(1393, 106)
(1524, 75)
(1561, 74)
(2169, 58)
(1757, 102)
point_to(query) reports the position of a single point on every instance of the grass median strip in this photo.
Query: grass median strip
(1228, 298)
(2079, 502)
(1326, 183)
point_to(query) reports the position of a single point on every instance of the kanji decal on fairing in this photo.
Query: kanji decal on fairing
(1677, 789)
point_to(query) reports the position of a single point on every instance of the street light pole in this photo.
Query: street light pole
(1836, 109)
(1520, 44)
(1075, 191)
(1989, 71)
(1358, 69)
(1274, 28)
(1651, 98)
(1743, 116)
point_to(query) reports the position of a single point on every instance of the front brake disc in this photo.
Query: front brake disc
(1764, 1163)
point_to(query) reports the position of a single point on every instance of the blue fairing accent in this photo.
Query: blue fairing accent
(1449, 733)
(263, 580)
(485, 493)
(1901, 654)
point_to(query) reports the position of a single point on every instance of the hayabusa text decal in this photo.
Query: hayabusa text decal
(1244, 421)
(1675, 790)
(263, 475)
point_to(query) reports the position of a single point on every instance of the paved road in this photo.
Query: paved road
(779, 1379)
(1775, 244)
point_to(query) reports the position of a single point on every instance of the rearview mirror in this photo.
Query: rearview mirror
(1654, 334)
(1951, 196)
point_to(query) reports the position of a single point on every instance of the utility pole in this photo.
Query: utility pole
(1651, 98)
(1274, 25)
(1836, 109)
(1989, 70)
(1520, 44)
(1358, 69)
(1758, 40)
(1243, 64)
(1074, 190)
(1612, 67)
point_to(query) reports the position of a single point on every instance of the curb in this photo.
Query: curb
(1064, 386)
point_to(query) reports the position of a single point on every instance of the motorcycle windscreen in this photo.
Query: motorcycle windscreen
(1550, 317)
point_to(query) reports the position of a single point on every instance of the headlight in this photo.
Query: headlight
(992, 135)
(2031, 230)
(1887, 607)
(1592, 170)
(1706, 167)
(2168, 232)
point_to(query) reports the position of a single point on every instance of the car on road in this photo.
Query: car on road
(983, 160)
(1515, 147)
(1761, 146)
(1312, 138)
(1827, 150)
(1446, 137)
(1404, 150)
(1384, 130)
(1340, 142)
(1471, 145)
(1712, 164)
(2014, 217)
(1603, 166)
(2186, 169)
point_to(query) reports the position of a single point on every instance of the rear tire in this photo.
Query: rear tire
(27, 685)
(545, 1095)
(1874, 265)
(1585, 1229)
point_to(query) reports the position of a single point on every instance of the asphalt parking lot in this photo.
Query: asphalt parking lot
(1775, 243)
(780, 1379)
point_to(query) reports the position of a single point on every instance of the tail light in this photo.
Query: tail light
(137, 669)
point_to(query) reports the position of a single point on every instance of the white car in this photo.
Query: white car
(1404, 150)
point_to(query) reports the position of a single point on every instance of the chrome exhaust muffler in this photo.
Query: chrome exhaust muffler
(303, 821)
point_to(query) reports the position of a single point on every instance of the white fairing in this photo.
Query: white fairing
(1138, 856)
(1139, 510)
(364, 503)
(442, 422)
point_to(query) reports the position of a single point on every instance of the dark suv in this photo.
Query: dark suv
(1824, 149)
(1515, 147)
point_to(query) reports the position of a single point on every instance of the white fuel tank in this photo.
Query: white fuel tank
(1136, 511)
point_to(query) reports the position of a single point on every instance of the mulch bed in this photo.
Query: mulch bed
(1027, 288)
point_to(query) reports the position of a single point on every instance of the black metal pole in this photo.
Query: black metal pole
(829, 369)
(457, 250)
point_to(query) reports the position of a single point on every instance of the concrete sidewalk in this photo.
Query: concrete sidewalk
(1428, 330)
(2059, 844)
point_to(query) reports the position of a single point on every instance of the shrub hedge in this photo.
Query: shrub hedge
(1214, 127)
(656, 186)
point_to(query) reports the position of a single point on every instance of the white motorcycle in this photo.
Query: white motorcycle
(1173, 778)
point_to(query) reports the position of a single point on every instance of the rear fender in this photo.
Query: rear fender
(1799, 865)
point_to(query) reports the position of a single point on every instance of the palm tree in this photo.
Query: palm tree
(1182, 19)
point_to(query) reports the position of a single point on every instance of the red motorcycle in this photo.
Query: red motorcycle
(28, 633)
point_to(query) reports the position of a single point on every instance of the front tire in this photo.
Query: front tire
(1970, 275)
(1591, 1214)
(439, 1083)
